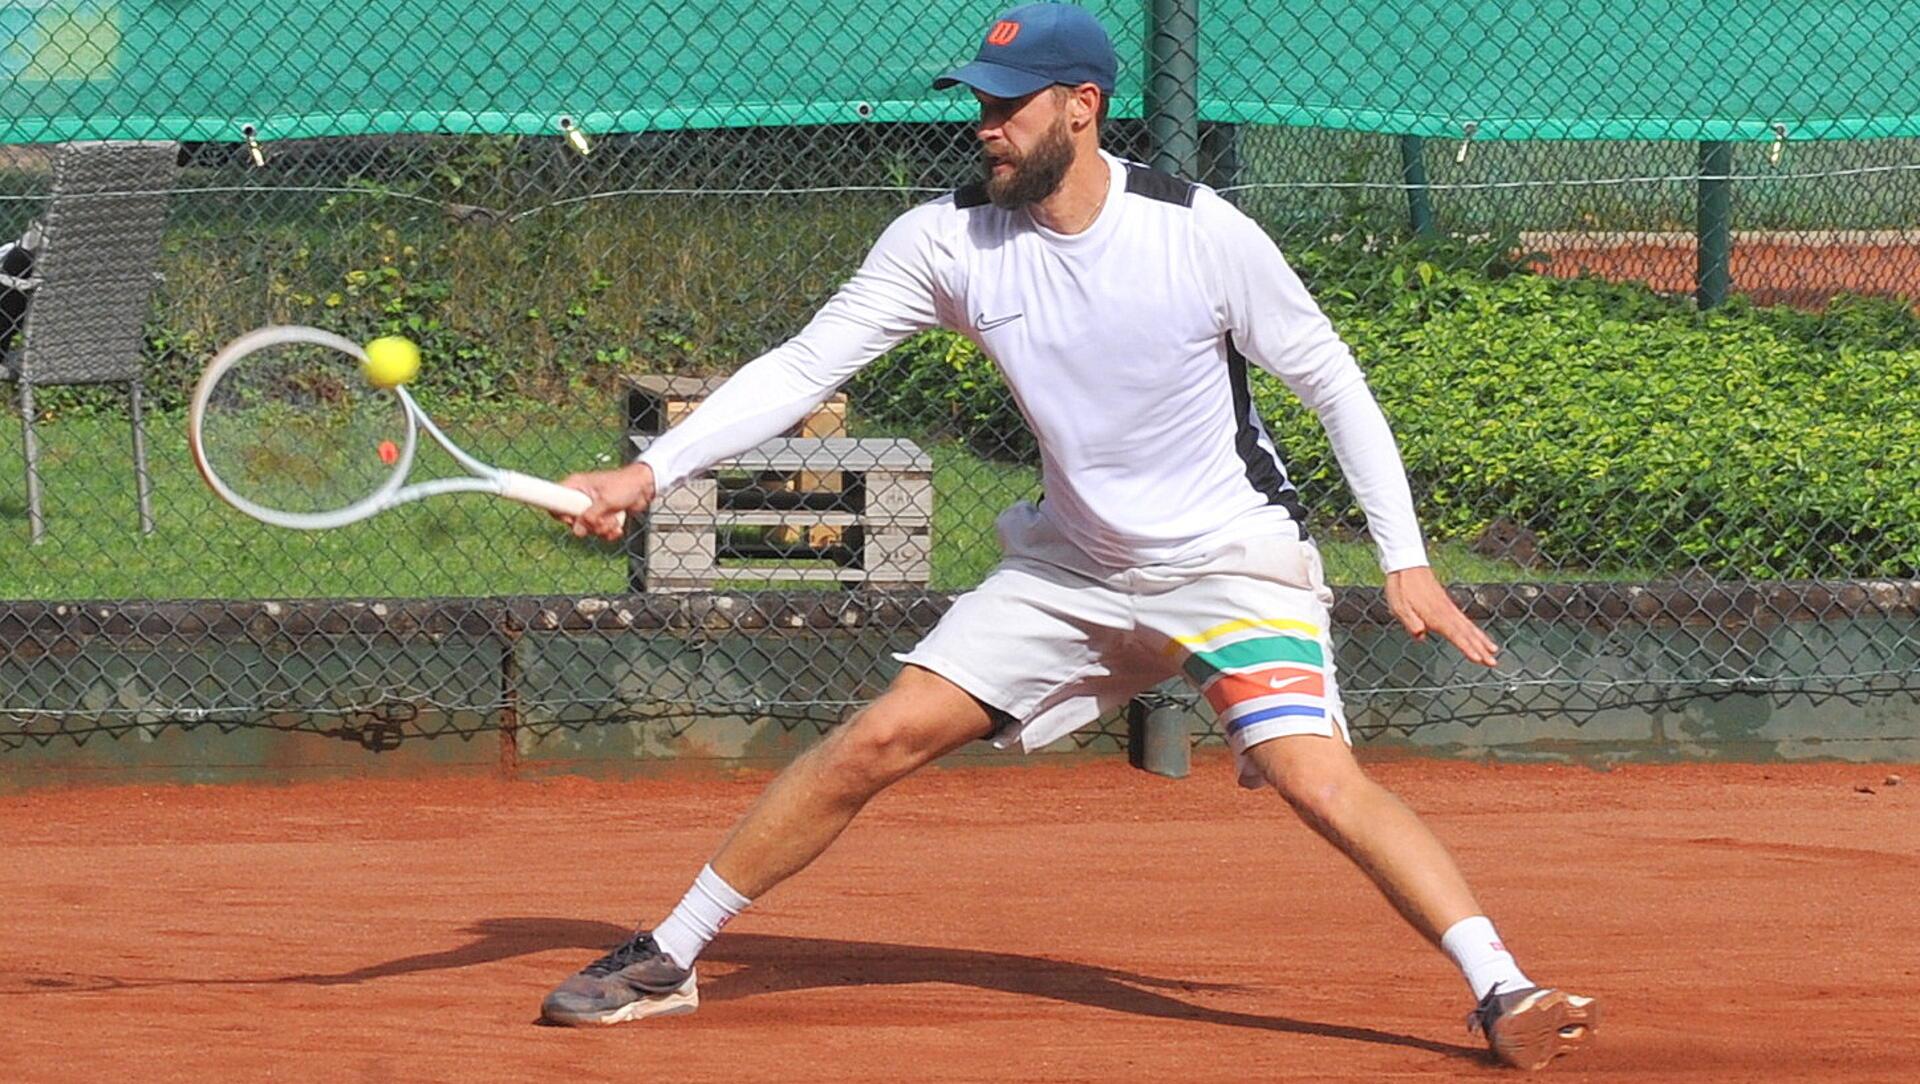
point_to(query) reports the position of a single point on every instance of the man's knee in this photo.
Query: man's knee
(1317, 775)
(874, 746)
(883, 743)
(919, 718)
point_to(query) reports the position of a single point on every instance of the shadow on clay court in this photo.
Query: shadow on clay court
(767, 963)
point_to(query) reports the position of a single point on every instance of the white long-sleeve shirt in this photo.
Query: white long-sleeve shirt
(1125, 346)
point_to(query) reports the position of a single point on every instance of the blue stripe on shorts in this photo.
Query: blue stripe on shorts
(1275, 713)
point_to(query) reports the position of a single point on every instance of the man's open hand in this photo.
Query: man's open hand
(1422, 606)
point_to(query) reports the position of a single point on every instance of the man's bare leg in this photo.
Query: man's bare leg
(920, 718)
(1526, 1025)
(1320, 779)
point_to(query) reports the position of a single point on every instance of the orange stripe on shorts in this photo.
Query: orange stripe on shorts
(1231, 689)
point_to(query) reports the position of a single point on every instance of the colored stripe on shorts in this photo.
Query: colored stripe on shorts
(1243, 699)
(1257, 670)
(1229, 691)
(1276, 624)
(1202, 666)
(1313, 712)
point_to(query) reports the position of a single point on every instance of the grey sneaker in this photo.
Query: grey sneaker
(1530, 1026)
(632, 982)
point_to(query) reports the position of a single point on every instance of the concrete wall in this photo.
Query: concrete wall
(191, 692)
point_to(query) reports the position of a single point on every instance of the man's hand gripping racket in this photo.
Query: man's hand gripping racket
(616, 495)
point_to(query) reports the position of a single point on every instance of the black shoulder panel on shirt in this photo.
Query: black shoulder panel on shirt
(1154, 184)
(972, 195)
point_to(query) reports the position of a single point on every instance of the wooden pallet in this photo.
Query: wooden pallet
(698, 536)
(656, 402)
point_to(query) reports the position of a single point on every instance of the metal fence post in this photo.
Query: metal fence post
(1713, 278)
(1173, 86)
(1413, 174)
(1220, 154)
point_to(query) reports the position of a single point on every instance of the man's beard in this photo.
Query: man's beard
(1036, 174)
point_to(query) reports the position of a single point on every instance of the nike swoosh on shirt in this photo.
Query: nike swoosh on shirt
(985, 324)
(1281, 683)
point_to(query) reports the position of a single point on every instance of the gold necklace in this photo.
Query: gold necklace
(1097, 208)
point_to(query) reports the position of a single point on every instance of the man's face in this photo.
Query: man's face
(1025, 146)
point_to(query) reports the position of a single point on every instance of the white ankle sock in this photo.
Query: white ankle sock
(703, 910)
(1477, 951)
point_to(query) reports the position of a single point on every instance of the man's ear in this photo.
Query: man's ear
(1086, 105)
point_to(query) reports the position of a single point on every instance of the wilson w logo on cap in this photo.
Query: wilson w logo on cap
(1038, 45)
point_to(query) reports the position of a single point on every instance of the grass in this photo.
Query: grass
(462, 545)
(451, 546)
(656, 283)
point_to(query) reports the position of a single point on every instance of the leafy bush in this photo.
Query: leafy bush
(1626, 430)
(551, 304)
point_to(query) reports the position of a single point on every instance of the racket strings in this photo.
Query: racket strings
(295, 427)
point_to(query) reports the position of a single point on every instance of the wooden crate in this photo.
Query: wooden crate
(655, 403)
(882, 517)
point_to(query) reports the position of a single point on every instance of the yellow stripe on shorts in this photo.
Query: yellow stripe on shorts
(1279, 624)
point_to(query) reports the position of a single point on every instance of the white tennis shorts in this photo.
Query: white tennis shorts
(1055, 641)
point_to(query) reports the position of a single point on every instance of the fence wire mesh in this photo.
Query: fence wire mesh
(1642, 316)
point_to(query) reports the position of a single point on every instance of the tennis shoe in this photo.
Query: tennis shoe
(633, 982)
(1530, 1026)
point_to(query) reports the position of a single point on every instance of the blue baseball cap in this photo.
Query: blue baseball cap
(1035, 46)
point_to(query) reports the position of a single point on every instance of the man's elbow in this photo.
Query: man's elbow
(1336, 392)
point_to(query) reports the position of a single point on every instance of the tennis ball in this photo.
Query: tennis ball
(391, 360)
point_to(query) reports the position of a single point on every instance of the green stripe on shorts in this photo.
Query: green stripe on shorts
(1266, 649)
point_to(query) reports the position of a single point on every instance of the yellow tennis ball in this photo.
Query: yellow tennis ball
(391, 360)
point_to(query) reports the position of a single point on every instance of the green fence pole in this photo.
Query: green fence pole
(1173, 86)
(1413, 174)
(1713, 278)
(1220, 152)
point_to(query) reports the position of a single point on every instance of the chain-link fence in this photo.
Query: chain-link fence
(1636, 290)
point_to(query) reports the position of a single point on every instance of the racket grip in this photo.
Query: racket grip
(541, 493)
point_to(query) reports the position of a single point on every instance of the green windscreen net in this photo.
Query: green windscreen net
(1575, 69)
(1566, 69)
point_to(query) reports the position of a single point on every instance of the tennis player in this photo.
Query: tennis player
(1123, 306)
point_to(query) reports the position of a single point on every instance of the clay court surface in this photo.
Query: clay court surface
(1803, 270)
(1066, 921)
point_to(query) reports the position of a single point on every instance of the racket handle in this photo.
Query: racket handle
(541, 493)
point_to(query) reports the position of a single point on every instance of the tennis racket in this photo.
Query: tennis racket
(286, 427)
